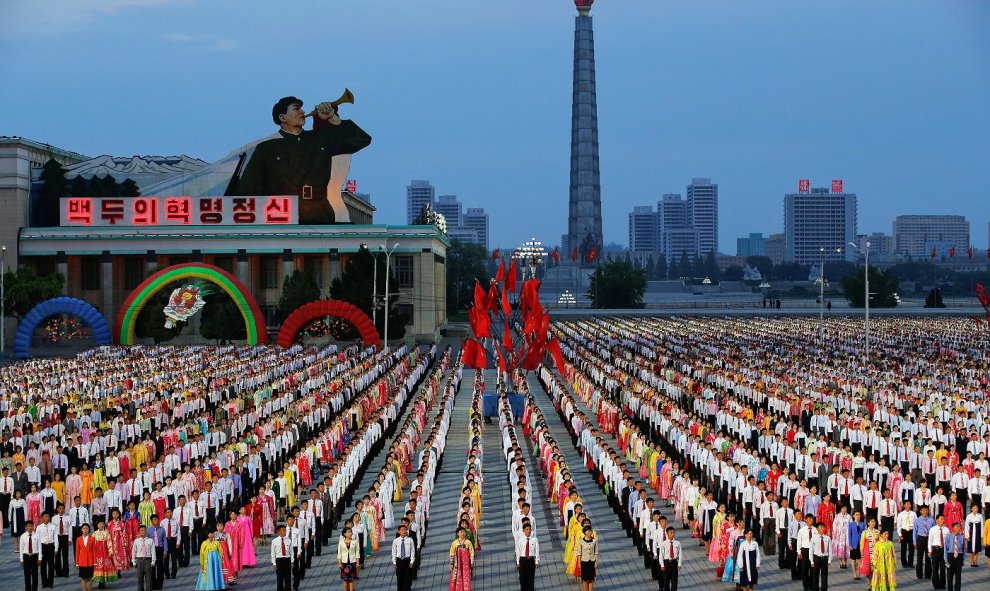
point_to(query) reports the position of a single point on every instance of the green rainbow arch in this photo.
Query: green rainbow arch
(123, 328)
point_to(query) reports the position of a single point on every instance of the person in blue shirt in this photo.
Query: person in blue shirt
(955, 555)
(157, 533)
(922, 525)
(856, 528)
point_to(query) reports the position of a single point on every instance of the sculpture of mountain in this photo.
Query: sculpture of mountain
(143, 170)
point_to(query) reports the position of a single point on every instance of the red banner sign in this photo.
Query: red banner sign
(179, 211)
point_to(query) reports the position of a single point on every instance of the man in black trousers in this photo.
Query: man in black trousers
(527, 557)
(403, 558)
(282, 560)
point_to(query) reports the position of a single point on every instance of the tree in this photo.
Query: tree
(710, 267)
(662, 266)
(883, 289)
(617, 285)
(355, 285)
(78, 187)
(222, 321)
(129, 188)
(733, 273)
(683, 266)
(24, 289)
(298, 289)
(53, 188)
(466, 262)
(791, 272)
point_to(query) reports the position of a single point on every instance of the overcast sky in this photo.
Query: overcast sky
(890, 95)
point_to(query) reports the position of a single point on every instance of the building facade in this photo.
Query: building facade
(643, 229)
(702, 205)
(103, 265)
(916, 235)
(475, 219)
(451, 208)
(418, 194)
(775, 248)
(672, 214)
(816, 220)
(679, 242)
(753, 246)
(880, 243)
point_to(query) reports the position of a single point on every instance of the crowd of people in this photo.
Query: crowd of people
(145, 458)
(773, 436)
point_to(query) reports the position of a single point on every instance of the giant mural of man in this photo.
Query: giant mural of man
(312, 164)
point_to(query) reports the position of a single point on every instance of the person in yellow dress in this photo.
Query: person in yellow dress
(884, 564)
(986, 540)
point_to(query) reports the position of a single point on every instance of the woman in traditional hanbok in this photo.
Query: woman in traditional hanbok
(974, 535)
(734, 537)
(120, 545)
(73, 486)
(867, 542)
(361, 534)
(826, 513)
(33, 502)
(461, 562)
(378, 502)
(105, 562)
(132, 523)
(58, 485)
(146, 509)
(840, 536)
(86, 482)
(369, 517)
(230, 570)
(17, 516)
(248, 555)
(719, 528)
(573, 537)
(883, 563)
(748, 563)
(99, 473)
(49, 499)
(254, 514)
(666, 480)
(211, 575)
(267, 502)
(160, 500)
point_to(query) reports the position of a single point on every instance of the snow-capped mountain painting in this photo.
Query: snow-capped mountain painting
(144, 170)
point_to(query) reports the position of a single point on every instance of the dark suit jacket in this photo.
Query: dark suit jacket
(285, 165)
(21, 482)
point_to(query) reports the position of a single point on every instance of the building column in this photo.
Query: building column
(243, 270)
(197, 256)
(106, 286)
(62, 267)
(335, 270)
(424, 301)
(150, 262)
(288, 264)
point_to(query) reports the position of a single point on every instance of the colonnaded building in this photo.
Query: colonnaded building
(105, 247)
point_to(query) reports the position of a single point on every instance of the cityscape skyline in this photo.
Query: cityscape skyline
(853, 111)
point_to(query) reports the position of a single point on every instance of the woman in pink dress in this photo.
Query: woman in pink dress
(121, 548)
(73, 486)
(229, 574)
(267, 502)
(248, 557)
(234, 542)
(33, 500)
(160, 500)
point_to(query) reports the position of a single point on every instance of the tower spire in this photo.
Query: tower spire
(584, 220)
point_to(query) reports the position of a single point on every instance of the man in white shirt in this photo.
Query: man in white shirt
(905, 529)
(403, 559)
(281, 554)
(49, 548)
(30, 546)
(803, 550)
(671, 559)
(63, 533)
(821, 554)
(143, 559)
(527, 557)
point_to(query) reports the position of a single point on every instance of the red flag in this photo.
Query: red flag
(507, 337)
(933, 253)
(480, 322)
(491, 302)
(970, 252)
(555, 255)
(593, 254)
(506, 308)
(510, 277)
(574, 254)
(500, 275)
(496, 254)
(952, 251)
(501, 361)
(474, 355)
(480, 301)
(553, 346)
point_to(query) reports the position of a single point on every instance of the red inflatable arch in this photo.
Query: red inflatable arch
(320, 308)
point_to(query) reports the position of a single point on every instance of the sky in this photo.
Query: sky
(889, 95)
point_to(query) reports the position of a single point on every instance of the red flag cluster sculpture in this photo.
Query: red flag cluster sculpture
(492, 334)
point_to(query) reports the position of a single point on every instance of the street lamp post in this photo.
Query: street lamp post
(388, 258)
(821, 296)
(3, 303)
(374, 288)
(866, 284)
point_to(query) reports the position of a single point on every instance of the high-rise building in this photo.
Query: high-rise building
(916, 235)
(476, 219)
(643, 229)
(753, 246)
(584, 218)
(679, 242)
(672, 214)
(816, 220)
(702, 204)
(775, 248)
(880, 243)
(451, 208)
(418, 194)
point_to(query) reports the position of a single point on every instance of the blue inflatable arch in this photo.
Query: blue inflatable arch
(62, 305)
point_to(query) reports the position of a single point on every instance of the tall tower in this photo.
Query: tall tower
(584, 220)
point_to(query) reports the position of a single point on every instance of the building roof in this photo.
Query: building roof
(14, 140)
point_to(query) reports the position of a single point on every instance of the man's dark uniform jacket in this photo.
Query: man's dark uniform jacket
(300, 165)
